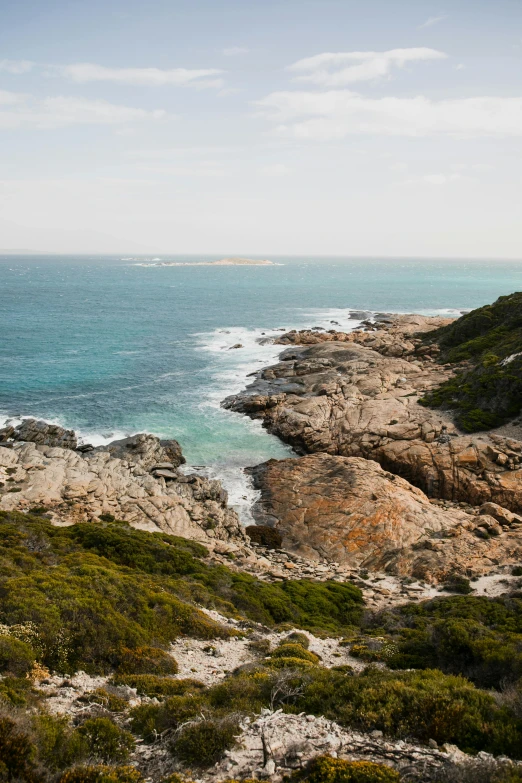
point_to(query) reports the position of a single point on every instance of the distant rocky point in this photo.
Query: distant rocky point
(221, 262)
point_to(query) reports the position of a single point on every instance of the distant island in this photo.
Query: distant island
(221, 262)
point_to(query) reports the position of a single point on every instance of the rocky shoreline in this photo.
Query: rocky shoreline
(386, 483)
(385, 496)
(383, 485)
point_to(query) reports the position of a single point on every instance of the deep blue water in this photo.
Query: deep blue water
(108, 348)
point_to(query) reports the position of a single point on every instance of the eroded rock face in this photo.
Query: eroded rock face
(76, 488)
(359, 397)
(351, 511)
(35, 431)
(345, 509)
(147, 450)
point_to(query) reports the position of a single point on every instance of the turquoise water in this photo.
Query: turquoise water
(109, 348)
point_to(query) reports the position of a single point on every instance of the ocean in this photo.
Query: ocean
(108, 347)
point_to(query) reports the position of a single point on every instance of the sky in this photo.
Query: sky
(262, 127)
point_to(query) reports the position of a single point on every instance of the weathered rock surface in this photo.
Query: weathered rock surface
(146, 449)
(76, 487)
(359, 397)
(35, 431)
(351, 511)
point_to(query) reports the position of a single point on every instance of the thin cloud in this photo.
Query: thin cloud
(431, 20)
(23, 111)
(274, 170)
(439, 179)
(11, 98)
(235, 51)
(16, 66)
(82, 73)
(337, 69)
(337, 114)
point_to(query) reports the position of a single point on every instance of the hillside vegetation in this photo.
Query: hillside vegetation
(109, 599)
(91, 594)
(486, 344)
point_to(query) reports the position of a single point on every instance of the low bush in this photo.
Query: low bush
(58, 744)
(458, 584)
(290, 662)
(105, 698)
(153, 686)
(325, 769)
(298, 638)
(294, 651)
(145, 660)
(16, 657)
(17, 691)
(478, 637)
(203, 743)
(102, 774)
(18, 755)
(105, 740)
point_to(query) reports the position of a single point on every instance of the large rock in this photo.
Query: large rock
(145, 449)
(351, 511)
(345, 509)
(76, 488)
(359, 397)
(35, 431)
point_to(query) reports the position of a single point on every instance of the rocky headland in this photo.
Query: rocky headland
(390, 484)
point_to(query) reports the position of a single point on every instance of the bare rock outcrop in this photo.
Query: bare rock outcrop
(360, 397)
(351, 511)
(147, 450)
(36, 431)
(75, 487)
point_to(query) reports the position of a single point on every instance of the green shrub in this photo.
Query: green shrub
(421, 704)
(106, 699)
(203, 743)
(298, 638)
(16, 690)
(16, 657)
(102, 774)
(145, 660)
(294, 651)
(260, 647)
(106, 741)
(517, 571)
(324, 769)
(145, 720)
(478, 637)
(17, 753)
(290, 662)
(458, 584)
(489, 391)
(58, 745)
(151, 685)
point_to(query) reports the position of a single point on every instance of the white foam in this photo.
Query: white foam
(230, 371)
(83, 436)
